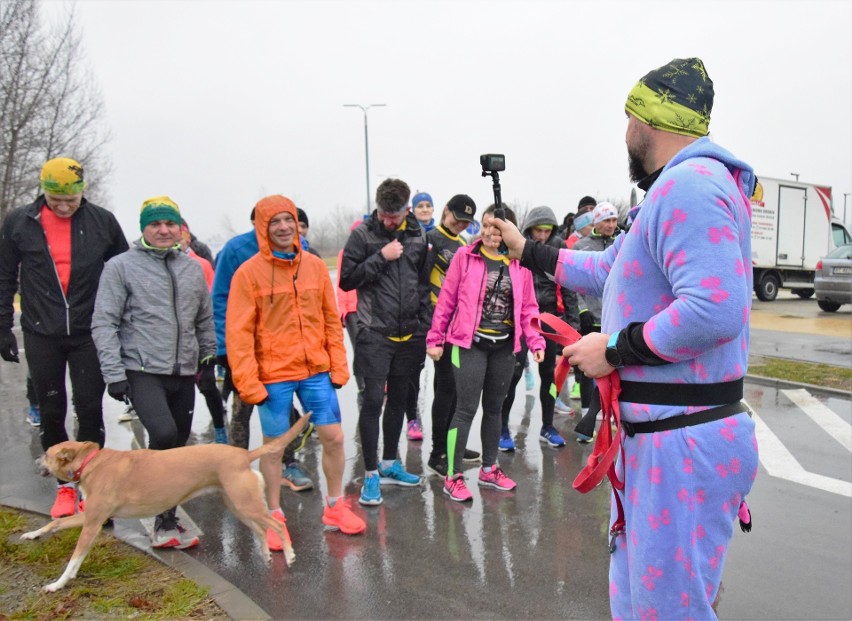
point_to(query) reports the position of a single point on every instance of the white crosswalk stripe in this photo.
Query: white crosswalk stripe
(835, 426)
(780, 462)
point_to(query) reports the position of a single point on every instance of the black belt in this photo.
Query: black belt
(684, 420)
(681, 394)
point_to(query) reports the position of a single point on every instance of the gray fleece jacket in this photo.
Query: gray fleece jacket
(153, 314)
(597, 243)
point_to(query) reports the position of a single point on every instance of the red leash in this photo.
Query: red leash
(607, 443)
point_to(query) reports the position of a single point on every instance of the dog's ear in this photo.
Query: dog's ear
(65, 456)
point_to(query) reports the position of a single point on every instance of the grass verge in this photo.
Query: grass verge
(824, 375)
(116, 580)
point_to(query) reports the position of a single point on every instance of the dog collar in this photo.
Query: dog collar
(79, 471)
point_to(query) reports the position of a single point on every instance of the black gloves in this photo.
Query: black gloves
(222, 361)
(587, 322)
(336, 386)
(9, 347)
(120, 391)
(205, 378)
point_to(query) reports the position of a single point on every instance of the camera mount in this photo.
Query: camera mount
(492, 164)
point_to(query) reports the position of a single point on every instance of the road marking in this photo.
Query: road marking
(836, 427)
(780, 463)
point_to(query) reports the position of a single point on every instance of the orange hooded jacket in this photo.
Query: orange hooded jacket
(282, 323)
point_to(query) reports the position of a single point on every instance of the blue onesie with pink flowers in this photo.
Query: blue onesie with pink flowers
(684, 268)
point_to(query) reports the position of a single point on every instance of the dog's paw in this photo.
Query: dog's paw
(33, 534)
(53, 587)
(290, 557)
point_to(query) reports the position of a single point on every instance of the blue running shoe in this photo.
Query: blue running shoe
(561, 407)
(296, 478)
(34, 416)
(220, 435)
(551, 436)
(396, 475)
(583, 438)
(507, 444)
(371, 493)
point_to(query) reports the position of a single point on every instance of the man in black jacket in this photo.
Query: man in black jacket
(60, 244)
(385, 261)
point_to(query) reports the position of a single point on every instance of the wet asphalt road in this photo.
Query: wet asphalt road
(537, 553)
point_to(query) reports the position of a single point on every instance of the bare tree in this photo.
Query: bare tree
(330, 235)
(49, 106)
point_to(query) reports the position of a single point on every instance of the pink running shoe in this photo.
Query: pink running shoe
(415, 432)
(456, 489)
(496, 479)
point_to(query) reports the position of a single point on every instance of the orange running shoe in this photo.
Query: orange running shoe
(65, 503)
(340, 517)
(272, 538)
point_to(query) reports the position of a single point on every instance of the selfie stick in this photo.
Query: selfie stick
(499, 212)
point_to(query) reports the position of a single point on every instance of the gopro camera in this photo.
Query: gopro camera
(492, 162)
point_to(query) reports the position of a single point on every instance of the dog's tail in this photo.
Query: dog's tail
(281, 441)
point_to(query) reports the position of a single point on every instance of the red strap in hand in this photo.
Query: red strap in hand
(564, 335)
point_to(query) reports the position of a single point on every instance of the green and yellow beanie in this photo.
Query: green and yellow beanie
(676, 97)
(158, 208)
(62, 176)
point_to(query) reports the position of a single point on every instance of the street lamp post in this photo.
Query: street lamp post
(364, 109)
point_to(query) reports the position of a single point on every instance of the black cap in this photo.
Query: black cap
(585, 201)
(463, 207)
(303, 217)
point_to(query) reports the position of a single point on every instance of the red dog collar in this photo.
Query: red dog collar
(79, 471)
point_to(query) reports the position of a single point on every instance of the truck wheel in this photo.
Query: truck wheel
(767, 288)
(804, 293)
(829, 307)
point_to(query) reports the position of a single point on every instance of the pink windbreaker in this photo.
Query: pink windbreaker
(459, 307)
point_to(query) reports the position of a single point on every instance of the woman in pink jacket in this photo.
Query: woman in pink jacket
(483, 311)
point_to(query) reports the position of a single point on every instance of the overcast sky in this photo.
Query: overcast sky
(218, 104)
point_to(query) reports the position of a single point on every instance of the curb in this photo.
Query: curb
(236, 604)
(779, 383)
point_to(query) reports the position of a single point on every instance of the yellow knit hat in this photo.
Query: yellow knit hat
(62, 176)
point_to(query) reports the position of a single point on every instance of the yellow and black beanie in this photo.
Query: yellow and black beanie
(677, 98)
(159, 208)
(62, 176)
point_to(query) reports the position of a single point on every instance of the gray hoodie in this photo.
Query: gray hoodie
(153, 314)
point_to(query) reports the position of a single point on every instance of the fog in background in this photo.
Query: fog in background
(217, 104)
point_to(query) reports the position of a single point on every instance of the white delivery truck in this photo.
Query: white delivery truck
(792, 227)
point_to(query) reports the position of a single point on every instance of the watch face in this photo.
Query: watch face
(612, 357)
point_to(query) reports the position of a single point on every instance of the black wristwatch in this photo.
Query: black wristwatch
(613, 358)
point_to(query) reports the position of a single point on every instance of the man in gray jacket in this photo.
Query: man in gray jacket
(153, 329)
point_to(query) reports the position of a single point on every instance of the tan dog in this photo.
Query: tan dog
(144, 483)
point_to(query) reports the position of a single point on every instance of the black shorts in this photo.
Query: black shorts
(378, 356)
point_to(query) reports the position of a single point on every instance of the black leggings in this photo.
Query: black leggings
(444, 401)
(47, 358)
(164, 404)
(214, 404)
(546, 369)
(371, 411)
(411, 412)
(481, 373)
